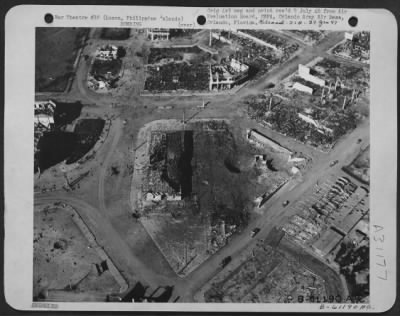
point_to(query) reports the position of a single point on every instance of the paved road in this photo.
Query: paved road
(99, 222)
(106, 236)
(115, 133)
(275, 214)
(304, 56)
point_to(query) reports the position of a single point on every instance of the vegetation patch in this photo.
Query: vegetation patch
(115, 33)
(55, 54)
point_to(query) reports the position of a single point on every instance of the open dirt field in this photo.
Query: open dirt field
(56, 50)
(65, 260)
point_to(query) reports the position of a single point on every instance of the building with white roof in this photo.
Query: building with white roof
(304, 72)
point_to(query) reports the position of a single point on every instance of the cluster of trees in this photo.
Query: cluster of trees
(115, 33)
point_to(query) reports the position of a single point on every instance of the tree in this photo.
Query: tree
(121, 52)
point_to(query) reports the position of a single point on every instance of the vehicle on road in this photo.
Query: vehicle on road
(113, 298)
(225, 261)
(333, 163)
(359, 140)
(254, 232)
(286, 203)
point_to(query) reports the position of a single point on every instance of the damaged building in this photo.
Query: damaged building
(43, 119)
(158, 34)
(225, 76)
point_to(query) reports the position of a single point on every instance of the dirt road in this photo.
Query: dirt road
(226, 106)
(276, 215)
(109, 239)
(115, 134)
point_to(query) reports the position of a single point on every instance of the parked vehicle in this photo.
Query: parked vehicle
(225, 261)
(345, 179)
(254, 232)
(333, 163)
(113, 298)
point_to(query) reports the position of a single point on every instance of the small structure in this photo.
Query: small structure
(262, 140)
(45, 106)
(298, 220)
(261, 159)
(158, 34)
(225, 76)
(304, 72)
(320, 127)
(296, 159)
(96, 84)
(363, 227)
(107, 52)
(221, 38)
(294, 170)
(348, 36)
(43, 120)
(327, 242)
(239, 67)
(158, 196)
(44, 113)
(345, 222)
(291, 229)
(101, 76)
(303, 88)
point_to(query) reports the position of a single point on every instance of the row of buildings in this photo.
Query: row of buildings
(158, 34)
(225, 76)
(43, 119)
(262, 140)
(304, 73)
(106, 53)
(324, 225)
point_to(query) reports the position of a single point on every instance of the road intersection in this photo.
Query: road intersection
(143, 109)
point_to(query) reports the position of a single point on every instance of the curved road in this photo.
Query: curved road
(98, 219)
(277, 215)
(116, 132)
(115, 245)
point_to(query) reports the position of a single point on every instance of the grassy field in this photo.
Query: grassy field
(115, 33)
(56, 50)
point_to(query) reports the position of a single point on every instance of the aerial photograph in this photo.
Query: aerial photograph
(201, 165)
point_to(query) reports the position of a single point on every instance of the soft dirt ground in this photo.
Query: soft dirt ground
(187, 232)
(62, 256)
(55, 54)
(269, 275)
(126, 103)
(360, 167)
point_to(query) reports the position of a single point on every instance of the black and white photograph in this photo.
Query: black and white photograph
(189, 165)
(184, 163)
